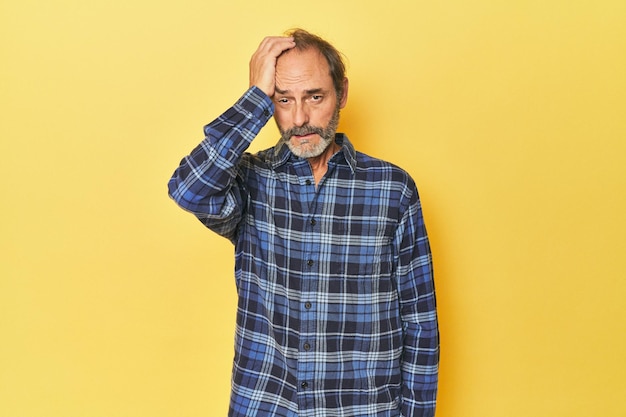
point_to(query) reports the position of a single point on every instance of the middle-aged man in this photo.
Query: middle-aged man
(336, 313)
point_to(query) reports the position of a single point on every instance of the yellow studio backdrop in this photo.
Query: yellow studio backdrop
(511, 116)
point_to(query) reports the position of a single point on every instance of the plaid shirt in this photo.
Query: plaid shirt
(336, 313)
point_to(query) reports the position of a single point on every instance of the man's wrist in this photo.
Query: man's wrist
(256, 102)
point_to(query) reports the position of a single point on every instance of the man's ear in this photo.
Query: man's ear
(343, 100)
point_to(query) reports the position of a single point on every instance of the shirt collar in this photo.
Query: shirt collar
(347, 154)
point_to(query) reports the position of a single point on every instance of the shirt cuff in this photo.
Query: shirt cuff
(256, 104)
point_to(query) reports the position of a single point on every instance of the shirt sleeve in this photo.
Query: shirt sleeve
(420, 360)
(208, 182)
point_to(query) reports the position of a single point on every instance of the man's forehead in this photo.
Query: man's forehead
(302, 67)
(309, 56)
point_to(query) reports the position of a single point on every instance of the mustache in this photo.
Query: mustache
(303, 130)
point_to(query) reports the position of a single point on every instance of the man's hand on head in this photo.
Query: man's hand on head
(263, 62)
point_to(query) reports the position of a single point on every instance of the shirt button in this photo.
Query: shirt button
(310, 262)
(313, 222)
(306, 346)
(304, 384)
(307, 305)
(308, 182)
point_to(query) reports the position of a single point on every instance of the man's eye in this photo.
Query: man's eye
(316, 97)
(282, 100)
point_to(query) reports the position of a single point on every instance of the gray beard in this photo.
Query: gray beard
(327, 135)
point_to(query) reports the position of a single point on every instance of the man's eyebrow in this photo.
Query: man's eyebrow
(309, 92)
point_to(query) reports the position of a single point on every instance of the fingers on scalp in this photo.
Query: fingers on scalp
(277, 42)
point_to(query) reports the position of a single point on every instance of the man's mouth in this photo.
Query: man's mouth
(306, 136)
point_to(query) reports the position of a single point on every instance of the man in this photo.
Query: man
(336, 313)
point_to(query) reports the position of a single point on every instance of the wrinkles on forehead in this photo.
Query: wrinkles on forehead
(302, 70)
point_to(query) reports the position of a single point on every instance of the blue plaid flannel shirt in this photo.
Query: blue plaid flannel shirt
(336, 313)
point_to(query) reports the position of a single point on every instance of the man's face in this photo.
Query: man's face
(307, 107)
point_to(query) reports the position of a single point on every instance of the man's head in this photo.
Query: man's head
(311, 88)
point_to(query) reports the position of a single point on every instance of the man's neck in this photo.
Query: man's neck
(319, 164)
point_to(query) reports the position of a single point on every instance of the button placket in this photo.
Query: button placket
(310, 253)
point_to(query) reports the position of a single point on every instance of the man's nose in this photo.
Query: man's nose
(300, 115)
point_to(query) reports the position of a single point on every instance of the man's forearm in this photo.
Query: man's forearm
(203, 182)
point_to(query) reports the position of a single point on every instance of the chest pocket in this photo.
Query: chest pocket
(362, 249)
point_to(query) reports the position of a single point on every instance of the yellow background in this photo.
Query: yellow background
(510, 115)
